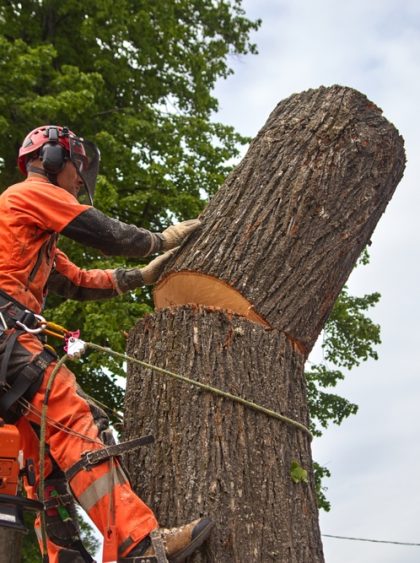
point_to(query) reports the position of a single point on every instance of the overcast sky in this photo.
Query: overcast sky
(373, 46)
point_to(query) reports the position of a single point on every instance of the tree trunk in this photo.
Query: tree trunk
(240, 307)
(10, 545)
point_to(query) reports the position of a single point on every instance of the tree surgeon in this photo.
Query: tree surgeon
(58, 165)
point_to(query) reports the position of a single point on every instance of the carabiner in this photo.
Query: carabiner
(55, 330)
(37, 330)
(5, 326)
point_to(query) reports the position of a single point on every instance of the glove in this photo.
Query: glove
(175, 234)
(152, 272)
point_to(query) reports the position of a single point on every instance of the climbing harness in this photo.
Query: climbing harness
(87, 461)
(28, 380)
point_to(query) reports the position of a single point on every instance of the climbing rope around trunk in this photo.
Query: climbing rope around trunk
(84, 345)
(204, 386)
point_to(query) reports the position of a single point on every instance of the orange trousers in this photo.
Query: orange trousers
(103, 491)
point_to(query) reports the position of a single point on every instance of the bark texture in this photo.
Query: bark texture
(284, 231)
(10, 546)
(216, 457)
(287, 226)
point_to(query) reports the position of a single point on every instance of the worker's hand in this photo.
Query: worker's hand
(152, 272)
(175, 234)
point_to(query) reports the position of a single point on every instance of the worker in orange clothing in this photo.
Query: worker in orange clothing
(58, 165)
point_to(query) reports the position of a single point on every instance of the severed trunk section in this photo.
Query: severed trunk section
(286, 228)
(240, 306)
(213, 456)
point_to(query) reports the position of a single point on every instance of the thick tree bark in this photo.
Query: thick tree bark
(216, 457)
(247, 299)
(10, 546)
(287, 226)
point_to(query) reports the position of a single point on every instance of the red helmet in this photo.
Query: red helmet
(40, 137)
(56, 145)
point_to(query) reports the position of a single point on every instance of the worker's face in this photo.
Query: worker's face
(69, 179)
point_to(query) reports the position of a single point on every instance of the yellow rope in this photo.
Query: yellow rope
(42, 452)
(204, 386)
(169, 373)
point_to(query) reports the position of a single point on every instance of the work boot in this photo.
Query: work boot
(179, 542)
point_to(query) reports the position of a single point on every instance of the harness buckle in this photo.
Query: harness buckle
(89, 461)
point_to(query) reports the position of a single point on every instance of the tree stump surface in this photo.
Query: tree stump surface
(240, 307)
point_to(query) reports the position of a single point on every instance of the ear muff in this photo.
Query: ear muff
(53, 156)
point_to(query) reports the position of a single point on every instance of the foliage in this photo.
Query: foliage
(90, 541)
(320, 473)
(349, 339)
(136, 78)
(30, 550)
(297, 473)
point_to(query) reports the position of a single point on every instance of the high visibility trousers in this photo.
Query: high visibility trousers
(103, 491)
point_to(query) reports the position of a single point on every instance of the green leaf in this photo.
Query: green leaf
(297, 473)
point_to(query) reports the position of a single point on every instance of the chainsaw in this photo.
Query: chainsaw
(13, 469)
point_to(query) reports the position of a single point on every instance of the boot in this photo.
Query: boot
(179, 542)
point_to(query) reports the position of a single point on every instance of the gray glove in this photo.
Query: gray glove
(152, 272)
(175, 234)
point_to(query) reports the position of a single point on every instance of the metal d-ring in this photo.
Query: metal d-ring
(37, 330)
(3, 321)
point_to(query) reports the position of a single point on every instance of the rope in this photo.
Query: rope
(42, 453)
(204, 386)
(106, 407)
(152, 367)
(370, 540)
(179, 377)
(55, 424)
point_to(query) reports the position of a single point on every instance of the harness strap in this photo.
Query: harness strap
(12, 312)
(6, 358)
(6, 298)
(62, 527)
(139, 559)
(59, 500)
(89, 459)
(158, 546)
(27, 381)
(76, 553)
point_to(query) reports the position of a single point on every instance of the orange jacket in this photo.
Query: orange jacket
(32, 214)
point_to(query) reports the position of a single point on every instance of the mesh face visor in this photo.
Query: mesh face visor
(86, 157)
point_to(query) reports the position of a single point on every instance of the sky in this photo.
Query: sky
(374, 457)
